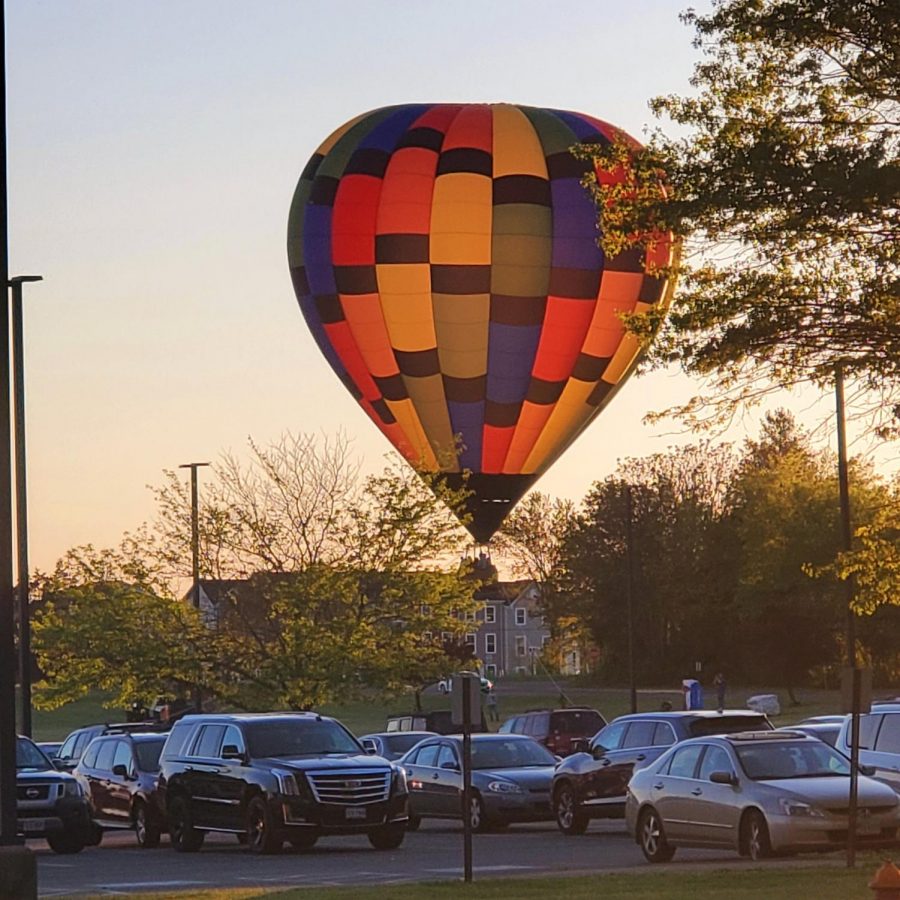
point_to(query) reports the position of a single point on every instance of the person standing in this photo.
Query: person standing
(719, 683)
(493, 712)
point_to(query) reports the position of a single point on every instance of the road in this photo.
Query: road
(432, 853)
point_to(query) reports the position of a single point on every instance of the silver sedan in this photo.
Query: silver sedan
(757, 793)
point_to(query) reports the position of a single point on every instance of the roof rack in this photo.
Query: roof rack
(767, 736)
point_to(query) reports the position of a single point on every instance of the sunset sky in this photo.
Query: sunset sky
(153, 150)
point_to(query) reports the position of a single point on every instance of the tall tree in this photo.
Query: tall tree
(785, 194)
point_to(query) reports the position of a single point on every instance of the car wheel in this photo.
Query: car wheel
(570, 817)
(95, 835)
(184, 837)
(413, 823)
(261, 834)
(66, 842)
(388, 837)
(146, 830)
(755, 836)
(477, 817)
(303, 840)
(652, 837)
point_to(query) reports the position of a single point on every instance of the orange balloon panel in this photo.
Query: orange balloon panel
(445, 258)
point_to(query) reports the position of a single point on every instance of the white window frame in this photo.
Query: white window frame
(545, 639)
(521, 670)
(470, 640)
(521, 616)
(490, 644)
(446, 637)
(521, 645)
(491, 670)
(490, 615)
(427, 636)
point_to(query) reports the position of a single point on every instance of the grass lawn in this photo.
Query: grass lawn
(513, 695)
(823, 882)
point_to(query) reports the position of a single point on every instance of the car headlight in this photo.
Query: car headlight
(287, 783)
(799, 808)
(73, 789)
(504, 787)
(398, 781)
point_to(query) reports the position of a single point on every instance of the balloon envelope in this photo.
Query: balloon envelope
(445, 258)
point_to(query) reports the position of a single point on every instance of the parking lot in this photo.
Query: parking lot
(433, 853)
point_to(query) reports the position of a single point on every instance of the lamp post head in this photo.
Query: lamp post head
(21, 279)
(195, 465)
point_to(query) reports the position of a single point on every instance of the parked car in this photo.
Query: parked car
(879, 742)
(556, 729)
(276, 777)
(50, 749)
(439, 721)
(830, 719)
(591, 784)
(824, 731)
(120, 774)
(445, 685)
(49, 803)
(77, 741)
(757, 793)
(511, 776)
(393, 744)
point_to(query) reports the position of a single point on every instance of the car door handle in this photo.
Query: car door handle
(658, 786)
(696, 792)
(641, 756)
(435, 776)
(605, 763)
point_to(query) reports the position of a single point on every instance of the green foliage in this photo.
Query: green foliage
(784, 195)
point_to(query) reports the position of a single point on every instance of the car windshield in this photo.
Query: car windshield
(29, 757)
(509, 754)
(147, 753)
(298, 737)
(400, 743)
(791, 759)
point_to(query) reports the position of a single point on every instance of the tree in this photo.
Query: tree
(784, 195)
(331, 585)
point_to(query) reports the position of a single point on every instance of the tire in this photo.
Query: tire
(303, 840)
(67, 842)
(95, 835)
(146, 828)
(388, 837)
(262, 836)
(755, 841)
(477, 815)
(652, 837)
(184, 837)
(570, 817)
(413, 823)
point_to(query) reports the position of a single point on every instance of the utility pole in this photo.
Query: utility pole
(629, 549)
(195, 552)
(849, 587)
(18, 346)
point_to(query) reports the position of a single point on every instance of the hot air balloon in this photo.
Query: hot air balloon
(445, 259)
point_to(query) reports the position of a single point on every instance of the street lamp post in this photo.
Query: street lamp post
(195, 550)
(18, 350)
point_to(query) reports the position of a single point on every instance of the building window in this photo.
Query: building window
(545, 639)
(424, 609)
(491, 670)
(490, 643)
(521, 645)
(427, 636)
(521, 617)
(470, 641)
(446, 637)
(470, 615)
(490, 615)
(521, 670)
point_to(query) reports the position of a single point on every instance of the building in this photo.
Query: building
(510, 633)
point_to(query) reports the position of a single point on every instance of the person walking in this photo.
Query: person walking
(719, 684)
(493, 712)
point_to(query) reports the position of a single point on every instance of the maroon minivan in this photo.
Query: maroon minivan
(556, 729)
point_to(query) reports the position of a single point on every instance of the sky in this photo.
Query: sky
(154, 147)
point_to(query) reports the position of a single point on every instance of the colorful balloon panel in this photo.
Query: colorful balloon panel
(445, 258)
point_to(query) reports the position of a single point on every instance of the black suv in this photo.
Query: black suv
(49, 804)
(591, 784)
(119, 774)
(276, 777)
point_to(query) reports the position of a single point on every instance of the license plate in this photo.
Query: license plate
(32, 825)
(355, 812)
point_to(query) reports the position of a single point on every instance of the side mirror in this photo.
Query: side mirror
(867, 770)
(598, 752)
(723, 778)
(452, 766)
(231, 751)
(121, 770)
(64, 765)
(370, 746)
(581, 745)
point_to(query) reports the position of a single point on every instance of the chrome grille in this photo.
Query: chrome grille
(33, 792)
(862, 811)
(351, 786)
